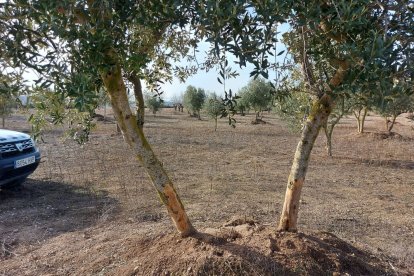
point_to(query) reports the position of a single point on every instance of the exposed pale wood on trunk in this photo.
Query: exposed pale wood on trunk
(321, 110)
(317, 118)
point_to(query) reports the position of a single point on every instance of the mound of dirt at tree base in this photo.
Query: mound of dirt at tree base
(253, 250)
(247, 249)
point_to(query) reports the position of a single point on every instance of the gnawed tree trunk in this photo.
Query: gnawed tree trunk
(316, 119)
(134, 136)
(360, 116)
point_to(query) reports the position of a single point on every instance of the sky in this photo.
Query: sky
(208, 80)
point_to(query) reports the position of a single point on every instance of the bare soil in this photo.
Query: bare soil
(91, 210)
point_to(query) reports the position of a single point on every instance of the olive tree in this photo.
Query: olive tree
(81, 46)
(11, 87)
(153, 102)
(194, 99)
(347, 43)
(214, 108)
(397, 98)
(242, 104)
(258, 94)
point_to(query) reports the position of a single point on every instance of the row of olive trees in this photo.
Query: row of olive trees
(258, 95)
(196, 99)
(396, 99)
(86, 45)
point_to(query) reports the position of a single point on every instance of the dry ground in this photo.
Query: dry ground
(92, 210)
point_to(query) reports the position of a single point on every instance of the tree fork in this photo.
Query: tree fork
(134, 136)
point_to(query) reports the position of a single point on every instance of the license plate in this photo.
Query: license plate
(24, 162)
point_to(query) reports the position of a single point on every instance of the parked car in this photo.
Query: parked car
(19, 157)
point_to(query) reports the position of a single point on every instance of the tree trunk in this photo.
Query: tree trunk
(364, 115)
(316, 119)
(389, 124)
(215, 126)
(139, 99)
(360, 115)
(134, 136)
(386, 123)
(328, 134)
(357, 117)
(3, 120)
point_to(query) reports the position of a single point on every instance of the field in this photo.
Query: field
(96, 201)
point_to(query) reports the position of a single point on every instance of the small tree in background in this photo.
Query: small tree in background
(6, 104)
(153, 102)
(11, 87)
(242, 104)
(177, 101)
(214, 108)
(396, 100)
(342, 108)
(258, 95)
(194, 99)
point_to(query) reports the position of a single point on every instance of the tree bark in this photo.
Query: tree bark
(139, 99)
(317, 118)
(328, 134)
(360, 116)
(389, 126)
(364, 115)
(134, 136)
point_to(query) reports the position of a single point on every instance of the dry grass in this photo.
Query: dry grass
(364, 194)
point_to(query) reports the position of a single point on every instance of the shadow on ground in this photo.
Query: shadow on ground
(39, 210)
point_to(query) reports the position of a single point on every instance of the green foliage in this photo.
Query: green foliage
(294, 109)
(6, 104)
(194, 99)
(214, 107)
(258, 94)
(153, 102)
(52, 109)
(242, 104)
(397, 98)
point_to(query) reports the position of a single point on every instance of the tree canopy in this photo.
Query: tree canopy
(194, 99)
